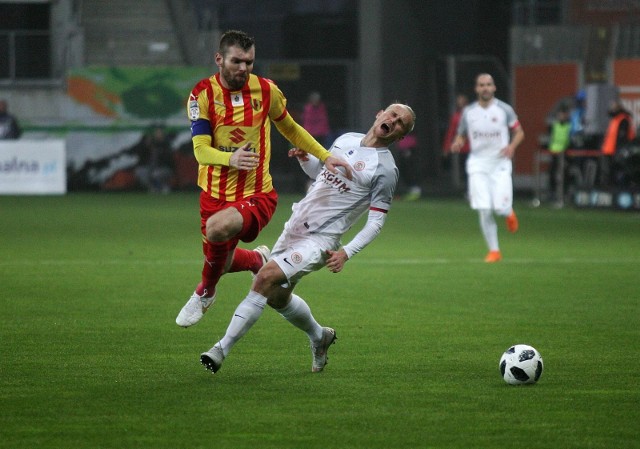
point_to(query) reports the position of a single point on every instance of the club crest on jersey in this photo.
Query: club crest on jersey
(236, 99)
(194, 110)
(256, 104)
(359, 166)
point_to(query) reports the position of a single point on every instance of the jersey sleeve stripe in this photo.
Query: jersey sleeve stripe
(282, 116)
(377, 209)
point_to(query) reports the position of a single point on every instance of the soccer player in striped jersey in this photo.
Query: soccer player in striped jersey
(311, 236)
(494, 133)
(231, 114)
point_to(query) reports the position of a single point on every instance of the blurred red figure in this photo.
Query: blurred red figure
(315, 118)
(456, 161)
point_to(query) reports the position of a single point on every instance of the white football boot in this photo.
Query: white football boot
(264, 252)
(194, 309)
(212, 359)
(319, 351)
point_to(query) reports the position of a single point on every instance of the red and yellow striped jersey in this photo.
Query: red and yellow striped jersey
(233, 119)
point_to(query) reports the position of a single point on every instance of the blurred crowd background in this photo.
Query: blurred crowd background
(110, 78)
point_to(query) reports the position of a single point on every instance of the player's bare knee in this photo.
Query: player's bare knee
(220, 230)
(215, 232)
(265, 278)
(224, 225)
(269, 279)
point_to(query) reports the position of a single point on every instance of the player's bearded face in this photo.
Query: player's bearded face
(235, 67)
(485, 88)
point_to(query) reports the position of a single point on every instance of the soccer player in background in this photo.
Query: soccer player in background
(494, 133)
(311, 236)
(231, 114)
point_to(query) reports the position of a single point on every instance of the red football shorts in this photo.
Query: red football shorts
(256, 211)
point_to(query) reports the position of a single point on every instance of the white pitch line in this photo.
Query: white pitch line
(359, 261)
(524, 261)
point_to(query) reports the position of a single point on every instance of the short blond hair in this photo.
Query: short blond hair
(408, 108)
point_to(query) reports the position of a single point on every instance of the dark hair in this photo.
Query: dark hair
(235, 38)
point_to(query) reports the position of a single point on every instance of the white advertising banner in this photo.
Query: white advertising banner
(33, 167)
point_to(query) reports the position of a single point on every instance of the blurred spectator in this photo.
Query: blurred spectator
(155, 167)
(577, 120)
(408, 166)
(559, 140)
(149, 164)
(9, 127)
(206, 14)
(456, 161)
(619, 133)
(315, 118)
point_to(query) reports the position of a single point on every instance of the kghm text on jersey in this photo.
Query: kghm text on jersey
(334, 181)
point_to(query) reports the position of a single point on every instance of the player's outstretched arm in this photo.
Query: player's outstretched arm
(310, 164)
(299, 137)
(373, 226)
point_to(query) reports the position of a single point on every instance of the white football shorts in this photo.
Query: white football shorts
(491, 187)
(298, 255)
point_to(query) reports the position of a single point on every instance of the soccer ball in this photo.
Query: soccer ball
(521, 364)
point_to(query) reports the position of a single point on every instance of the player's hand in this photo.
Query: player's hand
(508, 151)
(337, 259)
(300, 154)
(332, 163)
(242, 159)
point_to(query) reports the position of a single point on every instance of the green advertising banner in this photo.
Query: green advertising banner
(142, 93)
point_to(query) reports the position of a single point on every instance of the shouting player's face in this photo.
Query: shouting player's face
(235, 66)
(392, 123)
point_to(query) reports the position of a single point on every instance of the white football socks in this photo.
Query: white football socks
(489, 229)
(246, 314)
(298, 313)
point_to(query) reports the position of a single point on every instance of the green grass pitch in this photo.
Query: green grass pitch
(90, 356)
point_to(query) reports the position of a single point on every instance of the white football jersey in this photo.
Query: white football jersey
(334, 203)
(488, 129)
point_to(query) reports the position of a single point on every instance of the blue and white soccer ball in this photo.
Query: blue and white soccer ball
(521, 364)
